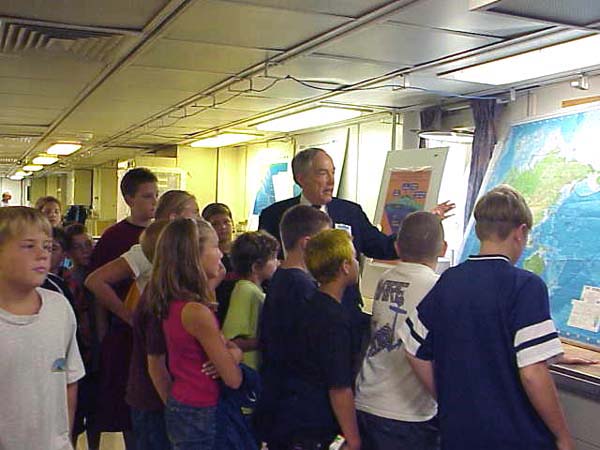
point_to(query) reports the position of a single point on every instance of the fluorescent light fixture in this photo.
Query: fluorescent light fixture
(32, 168)
(558, 58)
(321, 115)
(123, 165)
(15, 177)
(63, 148)
(448, 136)
(44, 160)
(20, 173)
(224, 139)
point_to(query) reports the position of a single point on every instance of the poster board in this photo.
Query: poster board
(411, 182)
(553, 161)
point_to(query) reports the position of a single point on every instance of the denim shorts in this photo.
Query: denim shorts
(150, 430)
(379, 433)
(190, 427)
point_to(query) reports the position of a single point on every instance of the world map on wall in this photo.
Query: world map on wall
(555, 164)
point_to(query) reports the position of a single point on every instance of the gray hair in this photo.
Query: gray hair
(303, 160)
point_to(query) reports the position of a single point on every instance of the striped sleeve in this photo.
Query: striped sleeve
(415, 332)
(535, 336)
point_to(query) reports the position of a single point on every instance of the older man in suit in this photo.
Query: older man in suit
(313, 170)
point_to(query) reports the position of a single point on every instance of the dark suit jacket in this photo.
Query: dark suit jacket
(368, 240)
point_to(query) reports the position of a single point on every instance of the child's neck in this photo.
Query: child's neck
(140, 222)
(294, 260)
(334, 289)
(19, 300)
(497, 248)
(225, 247)
(254, 278)
(432, 264)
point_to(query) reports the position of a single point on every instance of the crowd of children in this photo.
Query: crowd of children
(127, 338)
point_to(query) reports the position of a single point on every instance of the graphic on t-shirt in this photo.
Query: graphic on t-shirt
(385, 338)
(59, 365)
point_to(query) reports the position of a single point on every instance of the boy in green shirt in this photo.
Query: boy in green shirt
(254, 258)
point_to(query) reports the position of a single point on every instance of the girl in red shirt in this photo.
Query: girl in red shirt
(187, 256)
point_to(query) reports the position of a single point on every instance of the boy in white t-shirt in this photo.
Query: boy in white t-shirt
(395, 411)
(40, 363)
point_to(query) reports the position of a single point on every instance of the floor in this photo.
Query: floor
(110, 441)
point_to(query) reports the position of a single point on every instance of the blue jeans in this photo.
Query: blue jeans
(150, 430)
(379, 433)
(189, 427)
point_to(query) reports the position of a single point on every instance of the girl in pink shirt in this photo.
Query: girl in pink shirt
(187, 256)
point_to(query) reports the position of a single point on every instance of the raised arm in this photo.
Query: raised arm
(101, 281)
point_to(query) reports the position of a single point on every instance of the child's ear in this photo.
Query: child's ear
(346, 267)
(397, 247)
(444, 248)
(304, 242)
(256, 267)
(521, 233)
(128, 199)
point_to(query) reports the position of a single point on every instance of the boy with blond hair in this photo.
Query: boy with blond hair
(40, 358)
(482, 338)
(321, 401)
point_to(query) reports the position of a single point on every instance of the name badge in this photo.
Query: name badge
(343, 226)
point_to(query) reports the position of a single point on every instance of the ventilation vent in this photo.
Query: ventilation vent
(7, 160)
(17, 38)
(578, 13)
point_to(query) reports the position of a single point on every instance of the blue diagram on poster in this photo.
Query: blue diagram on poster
(555, 164)
(267, 192)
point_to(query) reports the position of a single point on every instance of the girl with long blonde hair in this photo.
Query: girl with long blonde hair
(187, 256)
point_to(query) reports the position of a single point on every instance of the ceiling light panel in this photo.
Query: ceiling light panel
(322, 115)
(63, 148)
(33, 168)
(44, 160)
(555, 59)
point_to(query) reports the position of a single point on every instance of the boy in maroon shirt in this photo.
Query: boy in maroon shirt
(140, 191)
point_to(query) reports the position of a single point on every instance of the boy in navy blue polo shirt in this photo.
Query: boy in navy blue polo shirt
(482, 338)
(288, 291)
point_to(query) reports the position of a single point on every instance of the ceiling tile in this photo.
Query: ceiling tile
(107, 13)
(403, 44)
(174, 54)
(155, 77)
(348, 8)
(32, 101)
(44, 67)
(27, 116)
(29, 86)
(335, 70)
(455, 15)
(254, 103)
(249, 26)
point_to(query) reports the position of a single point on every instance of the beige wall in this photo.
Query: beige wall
(82, 187)
(200, 166)
(105, 192)
(231, 180)
(37, 189)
